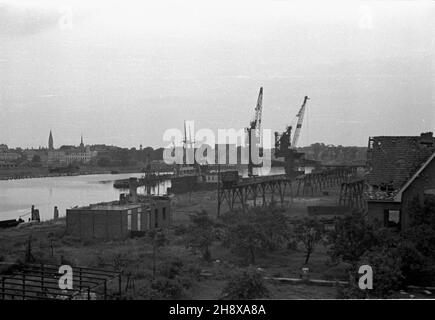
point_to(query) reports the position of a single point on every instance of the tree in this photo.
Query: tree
(386, 264)
(351, 238)
(104, 161)
(36, 158)
(158, 240)
(245, 284)
(418, 243)
(309, 232)
(397, 258)
(422, 213)
(201, 233)
(255, 232)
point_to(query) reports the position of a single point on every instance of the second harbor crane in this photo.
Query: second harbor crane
(286, 147)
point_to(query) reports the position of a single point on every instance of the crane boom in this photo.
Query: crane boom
(255, 127)
(256, 123)
(300, 117)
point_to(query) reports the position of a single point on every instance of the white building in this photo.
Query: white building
(9, 156)
(79, 155)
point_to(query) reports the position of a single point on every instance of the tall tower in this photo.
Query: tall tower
(50, 142)
(81, 142)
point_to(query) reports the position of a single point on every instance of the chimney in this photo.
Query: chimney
(427, 138)
(132, 185)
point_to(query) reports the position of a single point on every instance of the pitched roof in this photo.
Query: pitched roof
(398, 196)
(394, 160)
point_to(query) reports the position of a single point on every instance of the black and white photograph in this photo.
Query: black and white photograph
(217, 155)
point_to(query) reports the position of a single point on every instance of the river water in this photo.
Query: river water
(17, 196)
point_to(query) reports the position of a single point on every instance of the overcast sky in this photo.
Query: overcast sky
(121, 72)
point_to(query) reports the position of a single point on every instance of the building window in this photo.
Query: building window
(392, 218)
(156, 218)
(164, 213)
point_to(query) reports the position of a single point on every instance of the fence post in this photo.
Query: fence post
(3, 288)
(105, 289)
(42, 277)
(119, 285)
(24, 286)
(80, 278)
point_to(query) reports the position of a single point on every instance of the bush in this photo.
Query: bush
(387, 274)
(245, 284)
(350, 292)
(201, 234)
(186, 282)
(180, 230)
(194, 271)
(292, 245)
(171, 269)
(255, 232)
(337, 272)
(140, 274)
(164, 288)
(88, 242)
(351, 238)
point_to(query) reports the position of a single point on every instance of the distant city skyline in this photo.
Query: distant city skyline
(122, 73)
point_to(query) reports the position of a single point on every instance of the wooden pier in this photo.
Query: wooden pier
(259, 190)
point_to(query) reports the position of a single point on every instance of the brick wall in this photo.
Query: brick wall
(425, 181)
(377, 209)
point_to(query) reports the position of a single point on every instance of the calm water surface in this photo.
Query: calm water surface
(17, 196)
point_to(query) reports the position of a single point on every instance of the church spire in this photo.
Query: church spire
(50, 142)
(81, 142)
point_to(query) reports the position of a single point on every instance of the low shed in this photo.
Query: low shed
(115, 220)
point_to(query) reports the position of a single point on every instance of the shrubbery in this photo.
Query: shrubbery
(255, 232)
(398, 258)
(245, 284)
(201, 234)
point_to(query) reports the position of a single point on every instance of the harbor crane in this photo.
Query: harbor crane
(285, 146)
(256, 123)
(255, 126)
(300, 117)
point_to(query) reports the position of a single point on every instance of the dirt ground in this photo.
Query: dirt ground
(50, 244)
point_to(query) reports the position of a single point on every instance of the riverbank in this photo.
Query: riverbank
(29, 173)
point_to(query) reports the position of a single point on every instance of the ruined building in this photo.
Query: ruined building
(401, 168)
